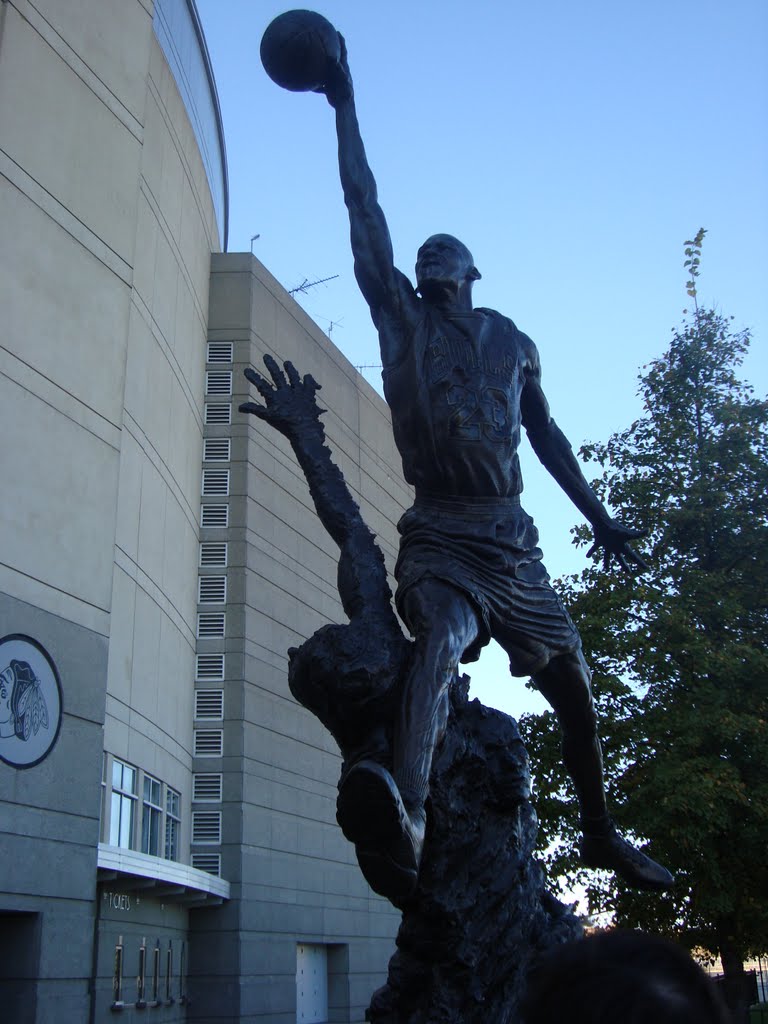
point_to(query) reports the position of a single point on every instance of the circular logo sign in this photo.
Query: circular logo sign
(30, 701)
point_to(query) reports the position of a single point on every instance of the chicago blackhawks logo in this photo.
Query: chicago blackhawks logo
(30, 702)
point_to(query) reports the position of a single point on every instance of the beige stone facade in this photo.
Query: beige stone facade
(161, 551)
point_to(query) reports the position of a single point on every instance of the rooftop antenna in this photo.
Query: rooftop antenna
(306, 284)
(332, 324)
(253, 239)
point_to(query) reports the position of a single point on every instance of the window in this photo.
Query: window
(123, 804)
(172, 823)
(152, 816)
(105, 794)
(132, 792)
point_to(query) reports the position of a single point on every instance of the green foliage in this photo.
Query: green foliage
(693, 261)
(680, 654)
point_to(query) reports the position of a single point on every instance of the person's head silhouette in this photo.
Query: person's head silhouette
(625, 976)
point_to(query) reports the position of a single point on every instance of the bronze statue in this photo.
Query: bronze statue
(460, 382)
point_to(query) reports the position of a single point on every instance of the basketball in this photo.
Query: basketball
(295, 49)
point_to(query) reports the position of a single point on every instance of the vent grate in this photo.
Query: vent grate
(212, 589)
(213, 554)
(206, 827)
(215, 481)
(216, 449)
(217, 412)
(218, 382)
(214, 517)
(220, 351)
(207, 787)
(210, 862)
(210, 626)
(210, 667)
(209, 704)
(209, 742)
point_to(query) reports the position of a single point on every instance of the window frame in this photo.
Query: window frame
(151, 813)
(172, 824)
(123, 799)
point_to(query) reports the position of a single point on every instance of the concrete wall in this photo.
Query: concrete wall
(71, 138)
(49, 817)
(71, 151)
(108, 230)
(295, 877)
(132, 919)
(152, 641)
(108, 226)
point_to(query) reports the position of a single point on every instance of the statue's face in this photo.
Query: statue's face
(443, 259)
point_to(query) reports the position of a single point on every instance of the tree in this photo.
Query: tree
(680, 653)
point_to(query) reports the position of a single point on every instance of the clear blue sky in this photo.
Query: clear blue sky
(572, 146)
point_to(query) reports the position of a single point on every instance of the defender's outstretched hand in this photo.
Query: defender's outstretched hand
(613, 537)
(289, 403)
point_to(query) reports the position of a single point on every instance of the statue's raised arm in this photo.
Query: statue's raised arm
(389, 294)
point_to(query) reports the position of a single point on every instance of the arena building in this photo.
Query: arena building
(168, 841)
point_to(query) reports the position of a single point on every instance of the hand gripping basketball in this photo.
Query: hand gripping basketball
(297, 50)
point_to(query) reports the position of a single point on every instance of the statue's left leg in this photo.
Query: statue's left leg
(566, 684)
(383, 813)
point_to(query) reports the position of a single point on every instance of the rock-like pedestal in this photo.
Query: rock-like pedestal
(481, 912)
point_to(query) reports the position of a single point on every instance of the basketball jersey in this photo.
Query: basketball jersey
(455, 402)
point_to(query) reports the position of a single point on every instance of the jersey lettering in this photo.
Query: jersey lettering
(479, 414)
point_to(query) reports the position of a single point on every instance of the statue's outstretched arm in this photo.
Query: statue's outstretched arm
(290, 407)
(385, 289)
(556, 455)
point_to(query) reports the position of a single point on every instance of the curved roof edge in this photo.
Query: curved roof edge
(219, 123)
(179, 31)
